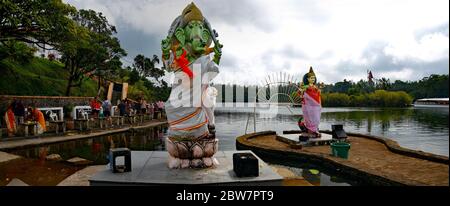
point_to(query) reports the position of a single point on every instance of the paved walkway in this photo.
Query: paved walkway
(81, 178)
(15, 144)
(5, 157)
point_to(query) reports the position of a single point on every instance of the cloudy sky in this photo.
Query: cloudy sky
(341, 39)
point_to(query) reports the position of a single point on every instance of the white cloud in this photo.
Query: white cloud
(403, 74)
(430, 47)
(335, 37)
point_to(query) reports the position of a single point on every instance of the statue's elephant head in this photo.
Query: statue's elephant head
(190, 32)
(194, 37)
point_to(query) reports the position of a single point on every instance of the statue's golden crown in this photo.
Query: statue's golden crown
(192, 13)
(311, 72)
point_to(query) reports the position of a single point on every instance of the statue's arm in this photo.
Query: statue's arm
(211, 71)
(217, 51)
(165, 47)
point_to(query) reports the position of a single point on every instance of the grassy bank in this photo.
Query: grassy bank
(39, 77)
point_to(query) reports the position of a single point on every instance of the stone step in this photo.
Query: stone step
(5, 157)
(79, 161)
(17, 182)
(81, 178)
(54, 157)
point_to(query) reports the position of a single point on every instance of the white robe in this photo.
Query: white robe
(190, 107)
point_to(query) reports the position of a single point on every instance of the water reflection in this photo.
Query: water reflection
(419, 129)
(96, 149)
(428, 118)
(315, 176)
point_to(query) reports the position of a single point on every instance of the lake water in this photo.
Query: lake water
(420, 129)
(424, 129)
(96, 150)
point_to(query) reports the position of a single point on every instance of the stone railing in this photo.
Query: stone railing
(44, 101)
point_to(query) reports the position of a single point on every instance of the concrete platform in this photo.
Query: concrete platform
(372, 160)
(81, 177)
(294, 138)
(150, 168)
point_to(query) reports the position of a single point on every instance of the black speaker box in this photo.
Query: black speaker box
(245, 165)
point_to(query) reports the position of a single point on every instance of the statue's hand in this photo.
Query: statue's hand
(217, 52)
(165, 47)
(302, 87)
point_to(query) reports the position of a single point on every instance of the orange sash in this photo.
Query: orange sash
(10, 121)
(40, 118)
(192, 127)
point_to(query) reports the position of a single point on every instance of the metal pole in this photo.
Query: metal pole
(290, 109)
(254, 117)
(246, 125)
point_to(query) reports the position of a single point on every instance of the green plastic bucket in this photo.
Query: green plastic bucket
(340, 149)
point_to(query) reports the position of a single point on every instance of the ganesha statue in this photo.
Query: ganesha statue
(187, 51)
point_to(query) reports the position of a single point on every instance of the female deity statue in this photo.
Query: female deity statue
(311, 104)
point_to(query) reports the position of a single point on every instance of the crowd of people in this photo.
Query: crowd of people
(17, 114)
(125, 107)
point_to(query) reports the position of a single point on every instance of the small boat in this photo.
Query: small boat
(432, 102)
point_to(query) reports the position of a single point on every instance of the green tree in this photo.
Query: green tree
(383, 84)
(146, 67)
(139, 90)
(335, 100)
(432, 86)
(16, 51)
(362, 87)
(146, 70)
(91, 49)
(39, 22)
(342, 87)
(134, 76)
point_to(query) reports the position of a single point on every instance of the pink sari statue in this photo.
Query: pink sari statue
(311, 105)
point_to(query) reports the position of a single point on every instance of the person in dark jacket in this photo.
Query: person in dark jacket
(122, 108)
(19, 112)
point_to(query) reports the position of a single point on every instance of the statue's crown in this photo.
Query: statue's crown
(191, 13)
(311, 72)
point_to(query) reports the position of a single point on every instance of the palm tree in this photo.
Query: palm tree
(384, 84)
(146, 67)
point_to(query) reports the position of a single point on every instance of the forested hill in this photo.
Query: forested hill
(39, 76)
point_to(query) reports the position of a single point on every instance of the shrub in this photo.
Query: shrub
(378, 98)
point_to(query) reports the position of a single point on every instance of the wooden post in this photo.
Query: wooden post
(110, 91)
(124, 90)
